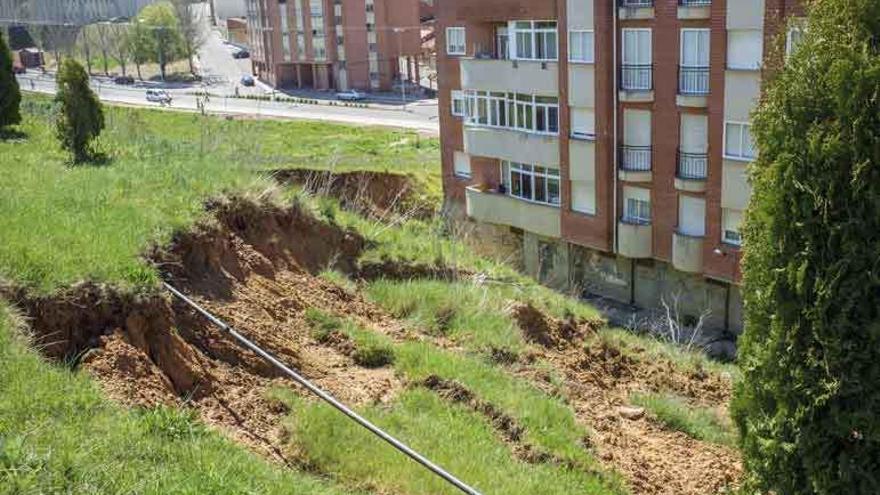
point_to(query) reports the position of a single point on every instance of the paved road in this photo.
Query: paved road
(421, 117)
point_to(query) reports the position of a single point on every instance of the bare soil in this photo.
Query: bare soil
(254, 265)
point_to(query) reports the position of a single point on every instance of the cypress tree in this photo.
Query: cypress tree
(808, 407)
(80, 116)
(10, 95)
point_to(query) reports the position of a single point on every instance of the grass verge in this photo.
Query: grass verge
(63, 224)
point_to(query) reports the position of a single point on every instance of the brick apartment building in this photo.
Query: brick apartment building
(610, 138)
(334, 44)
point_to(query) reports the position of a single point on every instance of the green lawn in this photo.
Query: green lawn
(59, 435)
(62, 224)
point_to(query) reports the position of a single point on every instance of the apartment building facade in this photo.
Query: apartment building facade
(610, 138)
(334, 44)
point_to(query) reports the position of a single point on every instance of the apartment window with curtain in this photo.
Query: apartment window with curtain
(531, 183)
(692, 216)
(738, 144)
(637, 205)
(694, 62)
(745, 49)
(462, 165)
(524, 112)
(455, 41)
(535, 40)
(583, 196)
(581, 46)
(458, 109)
(583, 123)
(638, 59)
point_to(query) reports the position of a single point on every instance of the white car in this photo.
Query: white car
(353, 95)
(158, 96)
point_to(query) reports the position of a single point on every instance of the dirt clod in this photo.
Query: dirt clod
(550, 332)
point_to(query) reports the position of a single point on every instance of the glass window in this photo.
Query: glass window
(455, 41)
(738, 142)
(581, 46)
(536, 40)
(458, 107)
(537, 184)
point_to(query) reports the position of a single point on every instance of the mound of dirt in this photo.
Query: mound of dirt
(551, 332)
(375, 194)
(252, 265)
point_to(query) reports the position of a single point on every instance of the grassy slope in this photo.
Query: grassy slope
(58, 435)
(63, 224)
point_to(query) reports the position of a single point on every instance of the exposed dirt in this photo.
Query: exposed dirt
(550, 332)
(375, 194)
(654, 460)
(253, 266)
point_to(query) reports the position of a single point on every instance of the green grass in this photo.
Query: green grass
(699, 422)
(58, 435)
(62, 224)
(452, 436)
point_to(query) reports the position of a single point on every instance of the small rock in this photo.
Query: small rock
(632, 413)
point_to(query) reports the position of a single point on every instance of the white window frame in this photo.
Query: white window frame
(589, 55)
(455, 46)
(504, 110)
(458, 98)
(525, 170)
(760, 38)
(623, 44)
(536, 36)
(461, 174)
(576, 133)
(699, 229)
(796, 27)
(743, 157)
(587, 210)
(636, 210)
(725, 230)
(681, 54)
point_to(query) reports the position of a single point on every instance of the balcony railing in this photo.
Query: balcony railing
(635, 158)
(695, 3)
(692, 166)
(693, 81)
(636, 3)
(637, 77)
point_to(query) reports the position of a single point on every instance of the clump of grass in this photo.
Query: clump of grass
(338, 278)
(691, 360)
(675, 413)
(323, 325)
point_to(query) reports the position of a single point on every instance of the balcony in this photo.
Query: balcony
(635, 163)
(513, 145)
(636, 9)
(693, 86)
(692, 171)
(634, 240)
(637, 83)
(500, 209)
(513, 76)
(694, 9)
(687, 252)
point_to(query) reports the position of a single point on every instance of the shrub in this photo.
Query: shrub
(80, 118)
(809, 404)
(10, 95)
(372, 353)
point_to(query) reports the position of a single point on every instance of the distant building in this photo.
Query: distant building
(335, 44)
(237, 30)
(610, 139)
(224, 9)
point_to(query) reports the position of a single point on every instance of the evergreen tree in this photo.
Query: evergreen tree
(10, 95)
(808, 406)
(80, 117)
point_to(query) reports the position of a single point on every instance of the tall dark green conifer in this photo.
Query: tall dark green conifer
(808, 406)
(80, 116)
(10, 95)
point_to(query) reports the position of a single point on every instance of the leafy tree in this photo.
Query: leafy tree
(10, 95)
(808, 407)
(158, 37)
(190, 23)
(80, 117)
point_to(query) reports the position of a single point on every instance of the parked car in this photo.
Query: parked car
(241, 54)
(158, 96)
(18, 69)
(126, 80)
(247, 80)
(353, 95)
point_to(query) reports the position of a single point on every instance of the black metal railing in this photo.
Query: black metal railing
(636, 3)
(693, 80)
(692, 166)
(637, 77)
(635, 158)
(695, 3)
